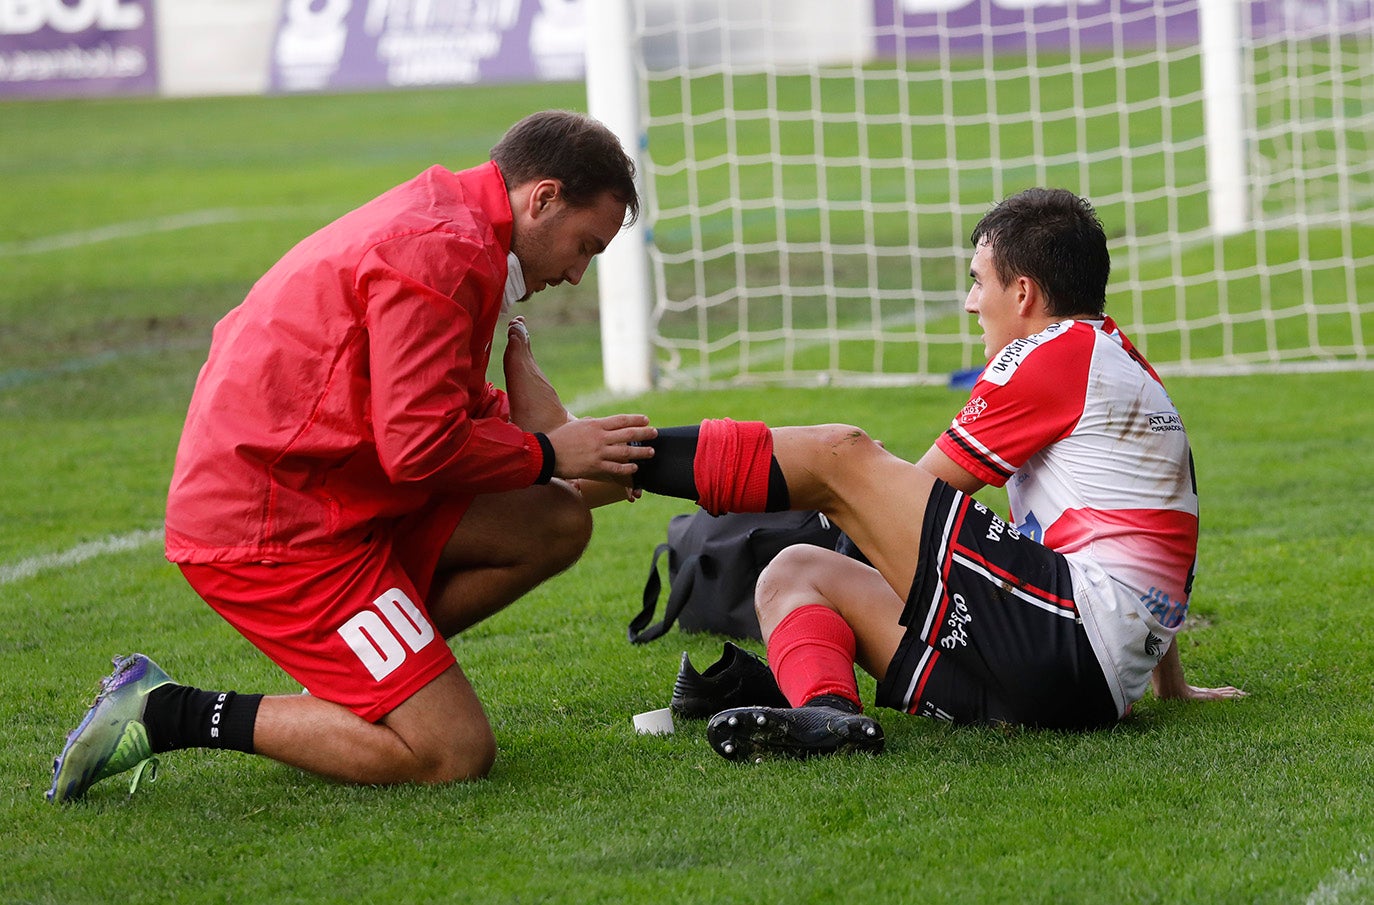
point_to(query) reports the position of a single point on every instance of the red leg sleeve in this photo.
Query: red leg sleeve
(811, 652)
(731, 465)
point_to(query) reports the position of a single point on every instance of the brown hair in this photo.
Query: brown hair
(575, 149)
(1053, 237)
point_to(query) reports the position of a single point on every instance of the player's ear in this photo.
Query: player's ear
(1029, 298)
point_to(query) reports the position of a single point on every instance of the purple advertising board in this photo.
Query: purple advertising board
(1301, 19)
(925, 27)
(62, 48)
(66, 48)
(347, 44)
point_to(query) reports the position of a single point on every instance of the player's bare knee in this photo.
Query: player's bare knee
(829, 453)
(787, 582)
(476, 758)
(845, 440)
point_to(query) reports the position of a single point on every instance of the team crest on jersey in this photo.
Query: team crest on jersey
(970, 412)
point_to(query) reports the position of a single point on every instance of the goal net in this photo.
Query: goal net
(813, 170)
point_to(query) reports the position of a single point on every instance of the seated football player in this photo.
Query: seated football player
(1060, 616)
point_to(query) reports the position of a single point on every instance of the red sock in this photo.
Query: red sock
(811, 652)
(731, 465)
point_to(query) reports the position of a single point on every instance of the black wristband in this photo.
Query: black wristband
(546, 472)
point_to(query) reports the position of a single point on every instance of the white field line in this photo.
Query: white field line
(118, 543)
(132, 229)
(1355, 884)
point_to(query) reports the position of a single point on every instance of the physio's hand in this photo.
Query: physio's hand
(600, 448)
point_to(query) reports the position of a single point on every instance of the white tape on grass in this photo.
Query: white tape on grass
(121, 543)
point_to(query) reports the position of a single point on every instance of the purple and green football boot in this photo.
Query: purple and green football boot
(112, 738)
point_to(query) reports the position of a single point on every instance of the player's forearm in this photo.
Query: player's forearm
(1167, 678)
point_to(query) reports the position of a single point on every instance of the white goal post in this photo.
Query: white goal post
(812, 169)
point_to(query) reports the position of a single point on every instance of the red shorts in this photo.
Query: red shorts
(353, 629)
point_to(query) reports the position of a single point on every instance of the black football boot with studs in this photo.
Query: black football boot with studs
(826, 725)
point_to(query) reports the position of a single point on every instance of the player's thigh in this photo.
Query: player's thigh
(499, 529)
(878, 499)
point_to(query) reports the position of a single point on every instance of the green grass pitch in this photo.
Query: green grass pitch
(127, 228)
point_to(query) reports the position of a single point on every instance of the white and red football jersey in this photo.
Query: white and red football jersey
(1077, 426)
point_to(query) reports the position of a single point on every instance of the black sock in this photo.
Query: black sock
(779, 500)
(671, 472)
(178, 716)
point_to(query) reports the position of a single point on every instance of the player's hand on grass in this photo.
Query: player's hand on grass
(1169, 683)
(1195, 693)
(599, 448)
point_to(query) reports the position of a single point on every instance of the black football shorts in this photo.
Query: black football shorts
(993, 633)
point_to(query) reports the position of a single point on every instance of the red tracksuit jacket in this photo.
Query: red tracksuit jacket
(350, 385)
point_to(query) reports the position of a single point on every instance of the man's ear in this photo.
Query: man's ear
(543, 196)
(1030, 301)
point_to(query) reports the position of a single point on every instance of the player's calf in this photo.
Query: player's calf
(745, 466)
(723, 465)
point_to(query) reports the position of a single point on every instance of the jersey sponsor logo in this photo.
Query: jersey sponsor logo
(1168, 611)
(1163, 422)
(1009, 359)
(380, 636)
(970, 412)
